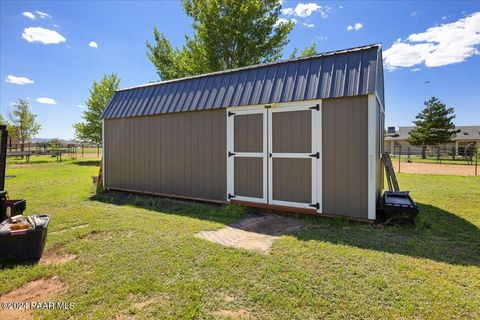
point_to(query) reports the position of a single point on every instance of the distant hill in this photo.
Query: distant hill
(42, 140)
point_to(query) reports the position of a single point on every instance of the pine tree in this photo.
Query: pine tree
(433, 126)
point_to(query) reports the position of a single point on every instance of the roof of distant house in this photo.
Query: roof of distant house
(466, 133)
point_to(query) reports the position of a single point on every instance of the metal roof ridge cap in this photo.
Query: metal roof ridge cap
(259, 65)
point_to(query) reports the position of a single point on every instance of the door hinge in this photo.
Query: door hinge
(230, 113)
(316, 107)
(230, 196)
(231, 154)
(268, 106)
(315, 205)
(269, 155)
(315, 155)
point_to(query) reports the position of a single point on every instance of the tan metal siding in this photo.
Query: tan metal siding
(181, 154)
(292, 180)
(345, 161)
(292, 131)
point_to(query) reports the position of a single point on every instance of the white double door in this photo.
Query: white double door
(274, 155)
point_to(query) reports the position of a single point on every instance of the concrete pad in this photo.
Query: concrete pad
(255, 232)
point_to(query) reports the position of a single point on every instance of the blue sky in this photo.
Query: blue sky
(430, 41)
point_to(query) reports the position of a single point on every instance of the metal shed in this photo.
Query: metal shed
(302, 135)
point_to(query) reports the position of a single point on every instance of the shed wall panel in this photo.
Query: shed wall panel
(292, 180)
(248, 133)
(345, 161)
(292, 132)
(248, 177)
(181, 154)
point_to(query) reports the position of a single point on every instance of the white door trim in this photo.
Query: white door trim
(372, 158)
(103, 154)
(230, 148)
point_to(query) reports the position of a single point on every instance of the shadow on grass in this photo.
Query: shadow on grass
(92, 163)
(438, 235)
(211, 212)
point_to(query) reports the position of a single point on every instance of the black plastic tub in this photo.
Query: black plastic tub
(399, 206)
(15, 207)
(3, 208)
(23, 245)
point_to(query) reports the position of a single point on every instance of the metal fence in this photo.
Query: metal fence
(463, 155)
(72, 150)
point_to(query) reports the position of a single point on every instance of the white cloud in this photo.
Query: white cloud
(413, 14)
(308, 25)
(93, 44)
(46, 100)
(45, 36)
(437, 46)
(306, 9)
(444, 17)
(415, 69)
(321, 38)
(18, 80)
(36, 14)
(80, 106)
(303, 10)
(357, 26)
(56, 25)
(29, 15)
(287, 11)
(42, 15)
(341, 7)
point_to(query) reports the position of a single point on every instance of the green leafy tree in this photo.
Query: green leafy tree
(100, 94)
(23, 122)
(54, 143)
(306, 52)
(434, 125)
(226, 34)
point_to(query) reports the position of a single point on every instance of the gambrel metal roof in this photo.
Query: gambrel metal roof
(350, 72)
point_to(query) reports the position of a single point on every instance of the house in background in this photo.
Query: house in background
(395, 139)
(302, 135)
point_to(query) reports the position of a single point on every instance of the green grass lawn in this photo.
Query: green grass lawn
(135, 249)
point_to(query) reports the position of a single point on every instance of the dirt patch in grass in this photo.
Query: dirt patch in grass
(23, 166)
(255, 232)
(140, 302)
(41, 290)
(435, 168)
(56, 256)
(232, 314)
(228, 298)
(68, 229)
(94, 235)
